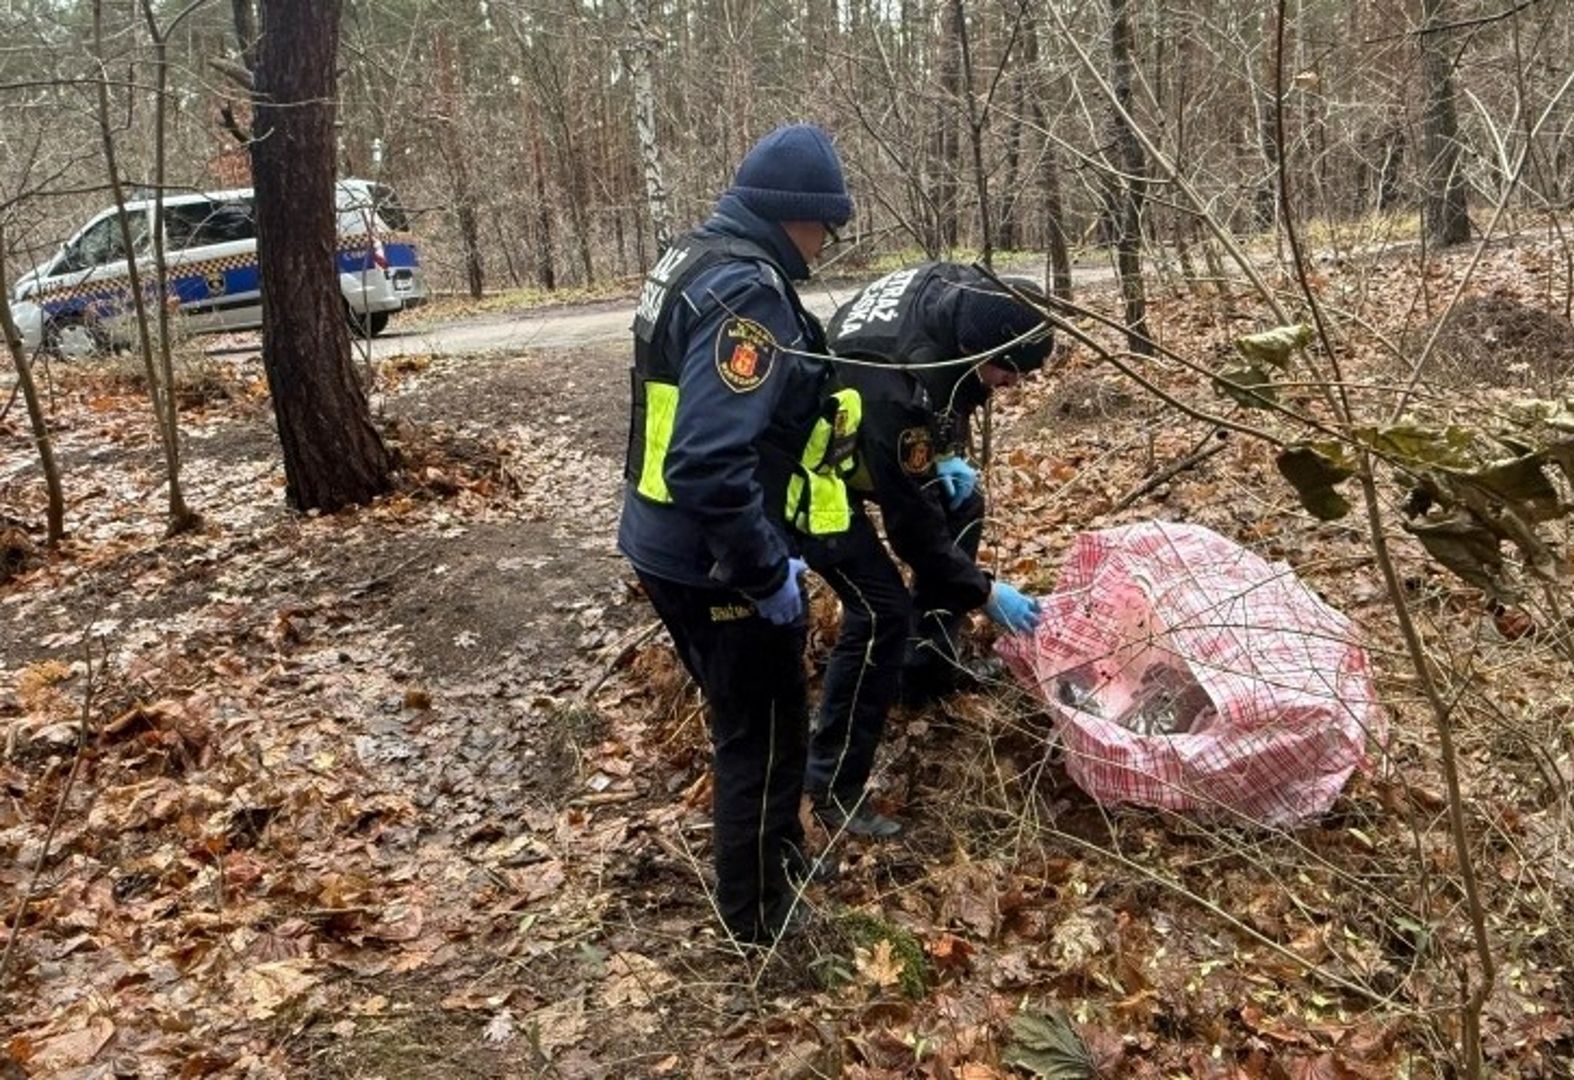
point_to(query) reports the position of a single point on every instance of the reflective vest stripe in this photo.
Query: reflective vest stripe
(817, 502)
(661, 411)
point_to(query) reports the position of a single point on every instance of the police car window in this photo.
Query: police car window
(102, 242)
(197, 224)
(389, 209)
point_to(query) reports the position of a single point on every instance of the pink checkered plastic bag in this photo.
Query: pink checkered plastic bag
(1190, 674)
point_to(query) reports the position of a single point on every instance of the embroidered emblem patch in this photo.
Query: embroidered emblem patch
(745, 353)
(215, 283)
(914, 451)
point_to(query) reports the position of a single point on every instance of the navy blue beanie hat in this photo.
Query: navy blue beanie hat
(988, 317)
(793, 174)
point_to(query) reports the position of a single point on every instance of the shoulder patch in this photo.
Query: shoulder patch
(915, 451)
(745, 354)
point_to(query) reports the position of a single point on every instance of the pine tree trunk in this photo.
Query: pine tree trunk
(333, 456)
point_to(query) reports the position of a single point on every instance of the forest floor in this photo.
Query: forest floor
(411, 791)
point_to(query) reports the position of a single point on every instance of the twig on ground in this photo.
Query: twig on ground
(622, 654)
(1211, 444)
(54, 822)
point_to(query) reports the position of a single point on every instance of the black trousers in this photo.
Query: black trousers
(863, 675)
(930, 668)
(751, 672)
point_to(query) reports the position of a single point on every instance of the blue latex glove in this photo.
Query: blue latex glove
(1012, 609)
(785, 606)
(957, 479)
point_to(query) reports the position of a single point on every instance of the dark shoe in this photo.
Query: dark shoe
(789, 920)
(803, 871)
(863, 821)
(934, 682)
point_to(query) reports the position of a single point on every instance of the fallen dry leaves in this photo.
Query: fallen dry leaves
(343, 797)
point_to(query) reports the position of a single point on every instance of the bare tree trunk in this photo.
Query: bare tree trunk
(181, 517)
(1444, 210)
(947, 147)
(244, 16)
(1127, 214)
(160, 392)
(55, 515)
(546, 266)
(1058, 270)
(1265, 200)
(332, 454)
(1010, 214)
(976, 119)
(450, 105)
(638, 57)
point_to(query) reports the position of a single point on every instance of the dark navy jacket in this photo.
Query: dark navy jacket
(724, 526)
(914, 415)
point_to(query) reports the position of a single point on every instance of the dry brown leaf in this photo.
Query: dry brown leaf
(555, 1026)
(400, 922)
(1077, 939)
(542, 880)
(72, 1049)
(879, 965)
(633, 981)
(266, 988)
(951, 953)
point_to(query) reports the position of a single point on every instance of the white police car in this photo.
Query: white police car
(80, 301)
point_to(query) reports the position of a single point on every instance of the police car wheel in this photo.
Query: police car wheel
(370, 324)
(69, 338)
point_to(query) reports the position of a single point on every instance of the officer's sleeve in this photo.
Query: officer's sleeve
(728, 390)
(895, 445)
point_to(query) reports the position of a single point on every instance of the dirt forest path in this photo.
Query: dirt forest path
(607, 323)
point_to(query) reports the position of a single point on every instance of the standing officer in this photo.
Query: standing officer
(736, 445)
(900, 339)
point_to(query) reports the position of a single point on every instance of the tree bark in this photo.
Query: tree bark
(546, 241)
(243, 15)
(1058, 247)
(1127, 214)
(638, 57)
(333, 456)
(55, 515)
(1443, 209)
(450, 105)
(947, 144)
(181, 516)
(976, 119)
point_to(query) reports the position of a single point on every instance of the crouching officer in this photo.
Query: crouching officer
(899, 340)
(736, 448)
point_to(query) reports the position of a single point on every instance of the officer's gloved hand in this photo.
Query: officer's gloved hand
(1012, 609)
(957, 479)
(785, 606)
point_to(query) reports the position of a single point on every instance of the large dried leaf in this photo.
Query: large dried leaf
(1314, 469)
(1247, 385)
(1275, 347)
(72, 1049)
(1469, 549)
(1049, 1047)
(1423, 446)
(270, 987)
(1522, 481)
